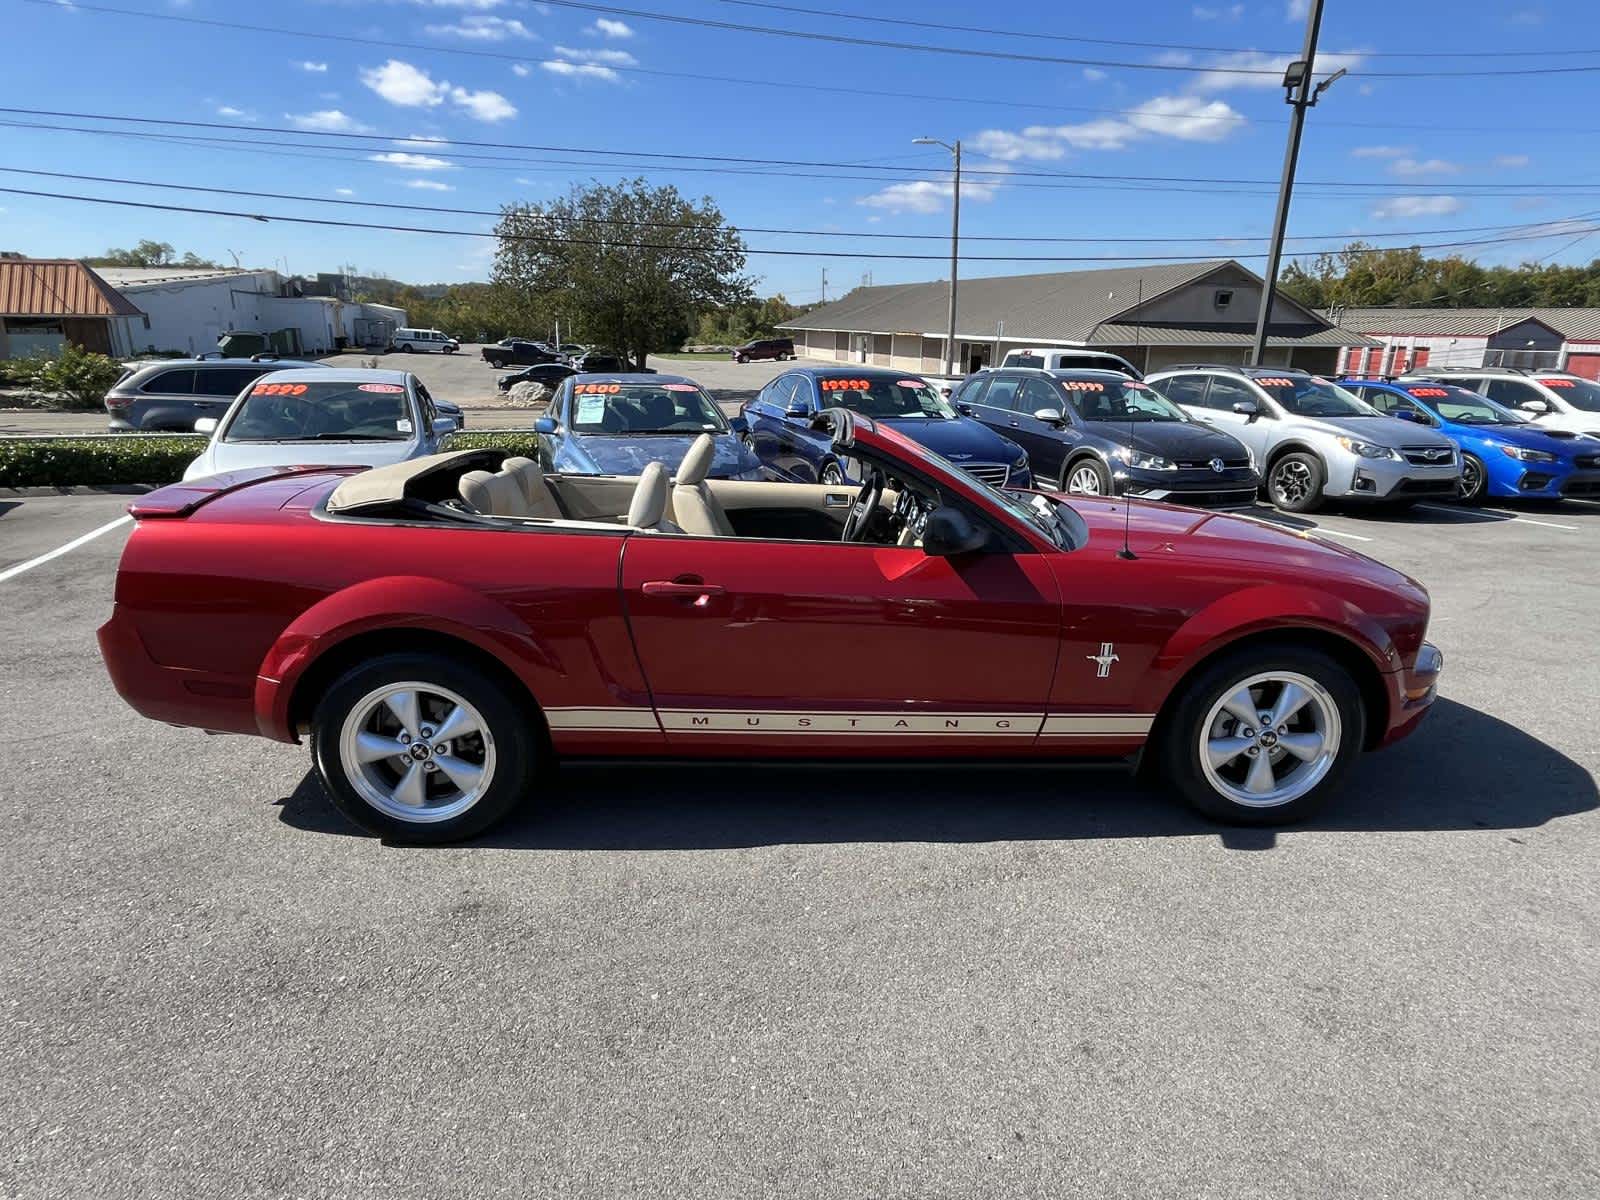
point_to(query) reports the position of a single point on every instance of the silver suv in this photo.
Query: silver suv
(1313, 441)
(170, 395)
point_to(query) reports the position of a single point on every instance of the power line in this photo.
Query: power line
(834, 233)
(786, 84)
(1036, 35)
(267, 218)
(990, 177)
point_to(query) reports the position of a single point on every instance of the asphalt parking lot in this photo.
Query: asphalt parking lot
(736, 981)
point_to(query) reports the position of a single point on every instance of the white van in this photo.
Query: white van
(426, 341)
(1071, 360)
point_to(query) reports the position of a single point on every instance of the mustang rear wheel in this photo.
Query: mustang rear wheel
(1263, 736)
(417, 748)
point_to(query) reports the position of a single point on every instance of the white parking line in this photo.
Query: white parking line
(1354, 537)
(1503, 515)
(13, 572)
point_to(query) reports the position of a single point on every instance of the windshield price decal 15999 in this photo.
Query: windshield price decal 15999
(1423, 393)
(1082, 385)
(1276, 382)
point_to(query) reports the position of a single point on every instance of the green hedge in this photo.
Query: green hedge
(133, 458)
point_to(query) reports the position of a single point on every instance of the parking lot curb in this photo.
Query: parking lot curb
(109, 489)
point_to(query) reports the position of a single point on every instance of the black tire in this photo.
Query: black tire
(406, 349)
(517, 745)
(1090, 465)
(1295, 482)
(1180, 731)
(739, 358)
(1472, 466)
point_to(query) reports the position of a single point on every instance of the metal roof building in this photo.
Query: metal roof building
(45, 302)
(1412, 338)
(1152, 315)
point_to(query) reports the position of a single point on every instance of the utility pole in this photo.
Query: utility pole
(824, 285)
(955, 246)
(1301, 95)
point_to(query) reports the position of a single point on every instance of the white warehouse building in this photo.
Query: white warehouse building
(188, 309)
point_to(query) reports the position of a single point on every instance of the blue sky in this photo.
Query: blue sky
(1420, 149)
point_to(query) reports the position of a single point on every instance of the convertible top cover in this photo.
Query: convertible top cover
(415, 479)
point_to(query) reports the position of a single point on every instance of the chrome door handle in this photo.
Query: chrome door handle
(700, 593)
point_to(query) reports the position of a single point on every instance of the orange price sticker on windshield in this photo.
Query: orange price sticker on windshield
(679, 387)
(1276, 382)
(1558, 383)
(1082, 385)
(845, 385)
(1424, 393)
(281, 389)
(597, 389)
(386, 388)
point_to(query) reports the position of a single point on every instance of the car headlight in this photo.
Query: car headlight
(1366, 449)
(1142, 461)
(1523, 454)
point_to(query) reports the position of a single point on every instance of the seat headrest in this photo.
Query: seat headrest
(529, 477)
(496, 495)
(649, 498)
(696, 463)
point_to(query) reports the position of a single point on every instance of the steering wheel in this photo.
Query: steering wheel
(855, 525)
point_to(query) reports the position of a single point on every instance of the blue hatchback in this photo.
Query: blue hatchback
(783, 437)
(1502, 455)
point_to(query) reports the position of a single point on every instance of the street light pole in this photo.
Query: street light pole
(955, 247)
(1301, 95)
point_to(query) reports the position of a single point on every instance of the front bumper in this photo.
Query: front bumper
(1411, 694)
(1232, 487)
(1354, 477)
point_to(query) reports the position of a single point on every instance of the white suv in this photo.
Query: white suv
(1550, 399)
(1072, 360)
(1312, 440)
(427, 341)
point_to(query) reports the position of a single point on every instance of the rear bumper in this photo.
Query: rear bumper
(1411, 694)
(176, 695)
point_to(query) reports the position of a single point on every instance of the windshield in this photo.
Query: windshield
(644, 408)
(1313, 396)
(885, 396)
(1579, 393)
(1457, 404)
(327, 410)
(1119, 400)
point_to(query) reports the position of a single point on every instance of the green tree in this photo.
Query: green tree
(1361, 275)
(148, 253)
(624, 264)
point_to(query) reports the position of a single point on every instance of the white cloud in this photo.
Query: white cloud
(344, 191)
(411, 87)
(606, 27)
(411, 162)
(924, 195)
(1185, 118)
(1231, 12)
(1511, 160)
(1262, 70)
(570, 70)
(1416, 206)
(431, 185)
(1380, 151)
(609, 58)
(480, 5)
(327, 120)
(401, 83)
(1427, 166)
(481, 28)
(521, 70)
(1173, 58)
(1526, 16)
(234, 114)
(316, 68)
(1297, 10)
(1093, 74)
(482, 106)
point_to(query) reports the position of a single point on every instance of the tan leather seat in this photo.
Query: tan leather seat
(697, 510)
(649, 508)
(517, 489)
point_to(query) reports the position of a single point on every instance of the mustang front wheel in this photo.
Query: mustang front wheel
(1262, 737)
(417, 748)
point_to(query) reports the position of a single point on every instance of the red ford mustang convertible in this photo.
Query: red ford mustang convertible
(442, 628)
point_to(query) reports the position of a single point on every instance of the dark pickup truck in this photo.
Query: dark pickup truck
(520, 351)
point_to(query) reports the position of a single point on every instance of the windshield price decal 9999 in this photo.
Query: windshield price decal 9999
(279, 389)
(845, 385)
(1422, 393)
(1288, 383)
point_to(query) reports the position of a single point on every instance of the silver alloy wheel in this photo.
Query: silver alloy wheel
(1291, 481)
(1471, 477)
(832, 475)
(1270, 739)
(417, 752)
(1084, 480)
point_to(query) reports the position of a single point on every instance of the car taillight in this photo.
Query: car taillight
(118, 401)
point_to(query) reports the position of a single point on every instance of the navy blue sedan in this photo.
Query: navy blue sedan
(619, 424)
(781, 432)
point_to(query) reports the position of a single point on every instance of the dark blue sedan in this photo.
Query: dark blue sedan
(619, 424)
(784, 439)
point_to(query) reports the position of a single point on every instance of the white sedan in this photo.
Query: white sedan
(335, 416)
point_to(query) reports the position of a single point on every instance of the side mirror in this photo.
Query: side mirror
(738, 424)
(1406, 414)
(206, 425)
(1248, 409)
(1051, 415)
(949, 533)
(544, 425)
(965, 410)
(1535, 406)
(443, 424)
(797, 410)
